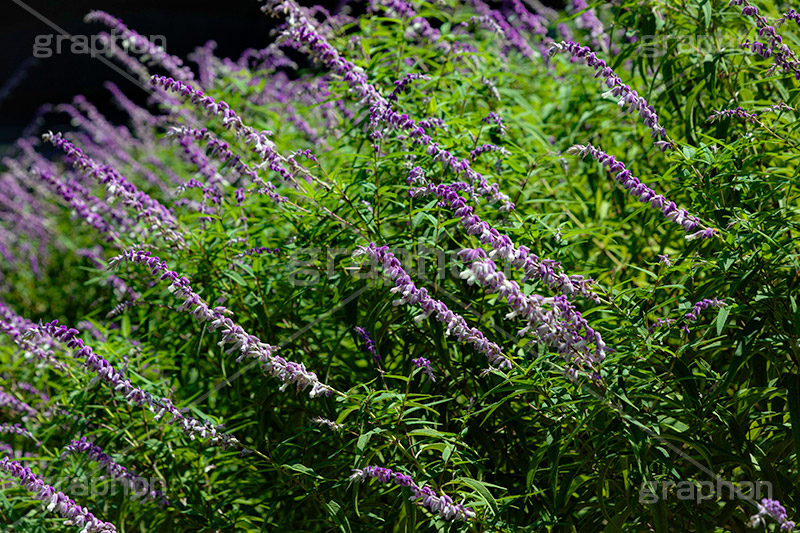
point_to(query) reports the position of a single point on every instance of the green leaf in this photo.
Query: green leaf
(722, 317)
(338, 516)
(483, 492)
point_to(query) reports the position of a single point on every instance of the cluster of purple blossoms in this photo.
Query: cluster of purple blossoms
(30, 389)
(301, 30)
(699, 307)
(587, 20)
(738, 112)
(13, 404)
(790, 15)
(221, 150)
(58, 501)
(248, 346)
(660, 322)
(17, 429)
(560, 327)
(16, 327)
(262, 145)
(136, 484)
(645, 194)
(369, 344)
(156, 54)
(774, 509)
(116, 185)
(511, 37)
(329, 423)
(497, 120)
(534, 23)
(781, 54)
(105, 372)
(425, 365)
(403, 83)
(482, 149)
(545, 270)
(441, 505)
(410, 294)
(417, 28)
(258, 250)
(617, 88)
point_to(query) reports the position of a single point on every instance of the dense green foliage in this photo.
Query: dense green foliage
(528, 449)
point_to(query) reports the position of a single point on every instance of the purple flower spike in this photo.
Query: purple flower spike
(441, 505)
(104, 371)
(627, 96)
(136, 484)
(773, 509)
(58, 501)
(546, 270)
(233, 334)
(783, 56)
(17, 430)
(554, 321)
(425, 365)
(369, 344)
(301, 30)
(157, 55)
(699, 307)
(645, 194)
(410, 294)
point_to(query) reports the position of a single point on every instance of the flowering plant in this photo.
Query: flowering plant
(449, 266)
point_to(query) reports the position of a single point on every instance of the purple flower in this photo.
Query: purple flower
(425, 365)
(58, 501)
(156, 54)
(159, 217)
(232, 334)
(773, 509)
(261, 144)
(417, 28)
(534, 23)
(16, 327)
(697, 308)
(13, 404)
(560, 326)
(403, 83)
(499, 24)
(738, 112)
(220, 149)
(258, 251)
(645, 194)
(587, 20)
(85, 211)
(301, 29)
(482, 149)
(441, 505)
(330, 423)
(410, 294)
(627, 96)
(781, 54)
(497, 120)
(17, 430)
(137, 485)
(105, 372)
(369, 344)
(546, 270)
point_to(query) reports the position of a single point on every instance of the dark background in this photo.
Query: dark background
(234, 24)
